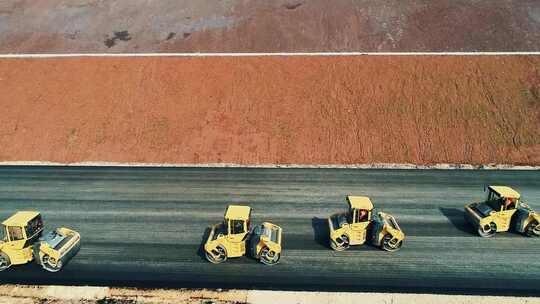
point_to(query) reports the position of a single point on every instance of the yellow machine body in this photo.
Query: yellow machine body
(57, 248)
(231, 238)
(22, 242)
(358, 225)
(231, 234)
(386, 232)
(501, 211)
(20, 232)
(265, 243)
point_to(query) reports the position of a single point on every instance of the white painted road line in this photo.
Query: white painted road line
(441, 166)
(294, 54)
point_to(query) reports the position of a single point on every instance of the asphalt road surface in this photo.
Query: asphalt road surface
(143, 227)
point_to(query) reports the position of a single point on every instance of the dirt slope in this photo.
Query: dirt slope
(260, 25)
(252, 110)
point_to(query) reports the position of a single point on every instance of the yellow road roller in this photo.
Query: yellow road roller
(234, 238)
(358, 225)
(23, 241)
(501, 211)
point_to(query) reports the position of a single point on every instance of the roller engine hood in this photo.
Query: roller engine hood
(483, 209)
(53, 239)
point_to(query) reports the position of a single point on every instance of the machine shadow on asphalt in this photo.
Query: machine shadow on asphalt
(200, 250)
(321, 231)
(456, 217)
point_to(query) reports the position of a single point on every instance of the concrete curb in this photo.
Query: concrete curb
(55, 292)
(282, 297)
(75, 292)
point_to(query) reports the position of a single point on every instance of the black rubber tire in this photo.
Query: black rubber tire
(269, 258)
(5, 262)
(45, 264)
(386, 244)
(340, 247)
(50, 268)
(533, 229)
(222, 257)
(487, 231)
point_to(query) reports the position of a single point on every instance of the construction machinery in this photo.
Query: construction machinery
(358, 225)
(23, 241)
(501, 211)
(234, 238)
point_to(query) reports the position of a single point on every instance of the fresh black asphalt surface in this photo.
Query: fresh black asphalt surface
(142, 227)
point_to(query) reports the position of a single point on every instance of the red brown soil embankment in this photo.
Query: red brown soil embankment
(253, 110)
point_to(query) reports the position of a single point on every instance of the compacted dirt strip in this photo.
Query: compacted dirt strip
(268, 26)
(253, 110)
(21, 294)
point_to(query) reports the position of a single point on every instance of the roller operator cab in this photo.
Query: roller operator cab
(230, 238)
(502, 210)
(23, 241)
(360, 224)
